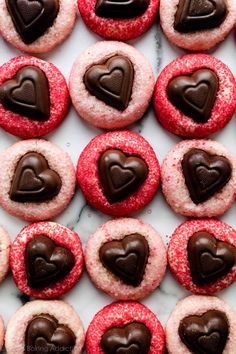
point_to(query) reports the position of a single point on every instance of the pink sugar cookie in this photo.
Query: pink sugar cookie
(183, 83)
(199, 178)
(117, 20)
(126, 258)
(34, 185)
(202, 255)
(50, 247)
(56, 321)
(34, 97)
(208, 27)
(123, 324)
(200, 323)
(5, 244)
(45, 31)
(2, 333)
(111, 84)
(118, 172)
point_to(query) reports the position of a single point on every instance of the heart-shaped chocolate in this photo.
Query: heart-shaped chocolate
(45, 335)
(27, 94)
(121, 175)
(134, 338)
(111, 82)
(46, 263)
(194, 95)
(205, 334)
(126, 258)
(195, 15)
(33, 180)
(209, 258)
(205, 174)
(121, 9)
(32, 18)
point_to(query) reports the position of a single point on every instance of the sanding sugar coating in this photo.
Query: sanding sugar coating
(173, 119)
(5, 244)
(54, 35)
(119, 314)
(105, 280)
(121, 29)
(198, 305)
(2, 333)
(61, 311)
(25, 127)
(98, 112)
(88, 176)
(58, 160)
(174, 187)
(178, 253)
(195, 40)
(62, 237)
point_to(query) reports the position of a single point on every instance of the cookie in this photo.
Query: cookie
(118, 173)
(34, 185)
(34, 97)
(126, 258)
(111, 84)
(125, 327)
(201, 325)
(199, 178)
(197, 25)
(45, 326)
(120, 20)
(202, 255)
(2, 333)
(46, 260)
(195, 96)
(5, 244)
(36, 27)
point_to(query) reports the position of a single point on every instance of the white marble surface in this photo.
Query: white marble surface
(74, 134)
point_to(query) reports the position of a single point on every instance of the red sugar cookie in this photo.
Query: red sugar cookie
(46, 260)
(123, 324)
(34, 97)
(202, 255)
(195, 95)
(118, 172)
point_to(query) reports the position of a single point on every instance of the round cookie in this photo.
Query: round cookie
(199, 178)
(197, 25)
(2, 333)
(36, 28)
(125, 324)
(126, 258)
(49, 325)
(111, 84)
(118, 20)
(202, 255)
(201, 325)
(195, 96)
(118, 172)
(34, 97)
(5, 245)
(46, 260)
(34, 185)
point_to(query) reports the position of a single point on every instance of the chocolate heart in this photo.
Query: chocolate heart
(121, 8)
(45, 335)
(126, 258)
(33, 180)
(205, 174)
(209, 258)
(194, 95)
(27, 94)
(205, 334)
(46, 263)
(195, 15)
(32, 18)
(111, 82)
(120, 174)
(134, 338)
